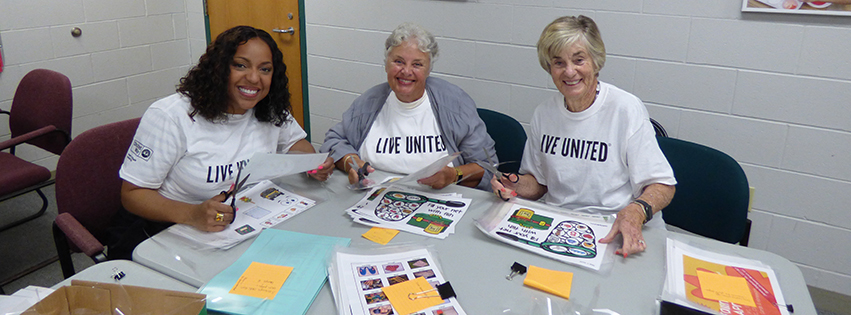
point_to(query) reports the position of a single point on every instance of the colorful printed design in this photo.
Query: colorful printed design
(758, 283)
(527, 218)
(271, 193)
(371, 284)
(397, 205)
(418, 263)
(432, 224)
(245, 199)
(367, 271)
(375, 297)
(572, 238)
(245, 229)
(568, 238)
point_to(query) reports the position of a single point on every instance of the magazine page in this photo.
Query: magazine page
(687, 265)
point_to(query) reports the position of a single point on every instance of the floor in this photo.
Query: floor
(28, 248)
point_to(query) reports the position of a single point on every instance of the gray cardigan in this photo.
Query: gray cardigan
(456, 115)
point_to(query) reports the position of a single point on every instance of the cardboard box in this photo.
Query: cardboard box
(84, 297)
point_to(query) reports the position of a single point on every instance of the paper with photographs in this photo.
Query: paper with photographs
(359, 279)
(262, 206)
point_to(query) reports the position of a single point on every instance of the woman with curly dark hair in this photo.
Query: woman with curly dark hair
(189, 145)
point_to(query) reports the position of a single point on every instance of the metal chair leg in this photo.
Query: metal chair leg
(64, 252)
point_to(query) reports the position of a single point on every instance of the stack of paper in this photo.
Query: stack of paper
(566, 236)
(262, 206)
(358, 279)
(409, 210)
(305, 254)
(717, 283)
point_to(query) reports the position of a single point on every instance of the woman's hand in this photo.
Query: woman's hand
(629, 222)
(345, 164)
(323, 172)
(445, 177)
(205, 216)
(505, 190)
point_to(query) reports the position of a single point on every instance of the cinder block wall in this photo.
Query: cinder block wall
(771, 90)
(131, 53)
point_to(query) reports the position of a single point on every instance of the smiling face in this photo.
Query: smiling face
(574, 75)
(407, 69)
(250, 76)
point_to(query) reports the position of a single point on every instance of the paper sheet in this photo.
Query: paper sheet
(261, 280)
(433, 215)
(429, 170)
(380, 235)
(683, 285)
(565, 236)
(360, 279)
(306, 253)
(271, 165)
(550, 281)
(400, 297)
(262, 206)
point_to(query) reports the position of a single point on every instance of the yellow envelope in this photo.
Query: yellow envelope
(725, 288)
(550, 281)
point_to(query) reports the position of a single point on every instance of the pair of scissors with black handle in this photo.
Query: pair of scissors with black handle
(237, 186)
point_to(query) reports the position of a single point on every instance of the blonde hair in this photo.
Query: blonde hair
(566, 31)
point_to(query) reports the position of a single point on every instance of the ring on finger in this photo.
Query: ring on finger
(642, 243)
(220, 217)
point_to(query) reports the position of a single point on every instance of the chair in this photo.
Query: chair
(88, 190)
(658, 128)
(510, 138)
(41, 116)
(712, 192)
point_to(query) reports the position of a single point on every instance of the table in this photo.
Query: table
(134, 274)
(474, 263)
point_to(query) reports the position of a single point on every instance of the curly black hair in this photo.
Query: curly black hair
(206, 84)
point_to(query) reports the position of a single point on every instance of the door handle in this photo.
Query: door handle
(289, 30)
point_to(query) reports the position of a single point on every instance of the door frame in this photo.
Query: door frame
(303, 39)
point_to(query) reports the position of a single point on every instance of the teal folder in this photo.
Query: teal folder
(306, 253)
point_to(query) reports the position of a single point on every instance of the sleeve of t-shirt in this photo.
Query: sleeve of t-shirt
(158, 144)
(290, 133)
(531, 162)
(647, 163)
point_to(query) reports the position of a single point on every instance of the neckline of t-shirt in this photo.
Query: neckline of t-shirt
(588, 112)
(396, 106)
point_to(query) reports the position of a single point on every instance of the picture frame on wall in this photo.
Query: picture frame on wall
(835, 7)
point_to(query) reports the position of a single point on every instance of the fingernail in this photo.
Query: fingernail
(320, 167)
(311, 172)
(513, 194)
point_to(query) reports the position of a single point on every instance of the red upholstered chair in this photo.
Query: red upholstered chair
(88, 190)
(41, 116)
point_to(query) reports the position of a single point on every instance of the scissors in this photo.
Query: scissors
(236, 188)
(491, 166)
(362, 173)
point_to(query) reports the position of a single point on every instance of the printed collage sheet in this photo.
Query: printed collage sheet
(433, 215)
(262, 206)
(360, 279)
(566, 236)
(690, 273)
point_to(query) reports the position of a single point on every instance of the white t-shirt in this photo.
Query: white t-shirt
(597, 160)
(192, 159)
(404, 137)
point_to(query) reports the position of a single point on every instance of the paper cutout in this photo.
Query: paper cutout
(261, 280)
(725, 288)
(398, 296)
(550, 281)
(380, 235)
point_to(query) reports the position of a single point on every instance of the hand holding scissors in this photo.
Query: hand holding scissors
(231, 195)
(502, 189)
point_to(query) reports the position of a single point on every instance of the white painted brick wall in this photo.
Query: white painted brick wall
(770, 90)
(131, 53)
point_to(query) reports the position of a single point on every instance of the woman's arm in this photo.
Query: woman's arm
(471, 175)
(513, 185)
(149, 204)
(631, 218)
(323, 171)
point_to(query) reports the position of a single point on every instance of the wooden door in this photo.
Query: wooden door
(268, 15)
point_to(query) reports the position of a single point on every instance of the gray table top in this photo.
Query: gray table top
(134, 274)
(475, 263)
